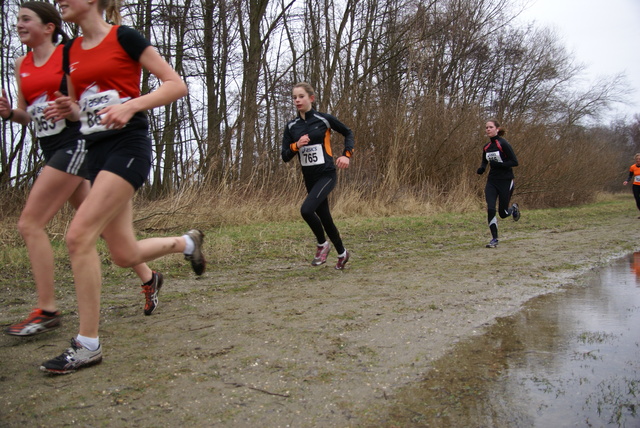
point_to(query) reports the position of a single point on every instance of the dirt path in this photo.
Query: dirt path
(292, 345)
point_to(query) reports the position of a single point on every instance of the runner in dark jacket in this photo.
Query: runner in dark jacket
(500, 156)
(308, 136)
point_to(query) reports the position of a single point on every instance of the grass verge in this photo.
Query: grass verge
(283, 242)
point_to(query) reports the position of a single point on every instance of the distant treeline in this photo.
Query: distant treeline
(415, 80)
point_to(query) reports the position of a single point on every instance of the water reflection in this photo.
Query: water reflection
(635, 265)
(565, 360)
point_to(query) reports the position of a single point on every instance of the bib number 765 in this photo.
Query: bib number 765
(311, 155)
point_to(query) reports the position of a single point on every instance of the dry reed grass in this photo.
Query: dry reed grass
(209, 208)
(242, 222)
(376, 186)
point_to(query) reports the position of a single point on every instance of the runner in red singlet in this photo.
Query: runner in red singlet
(103, 70)
(39, 76)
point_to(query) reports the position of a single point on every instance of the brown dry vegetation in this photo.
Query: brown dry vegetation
(415, 80)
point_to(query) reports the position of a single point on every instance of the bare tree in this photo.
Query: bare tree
(414, 79)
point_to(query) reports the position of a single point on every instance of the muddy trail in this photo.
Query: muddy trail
(285, 344)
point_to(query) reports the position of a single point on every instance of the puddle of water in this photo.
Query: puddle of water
(570, 359)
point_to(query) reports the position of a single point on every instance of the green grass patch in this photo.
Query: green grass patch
(291, 243)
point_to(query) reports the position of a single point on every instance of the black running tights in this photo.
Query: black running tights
(498, 191)
(315, 210)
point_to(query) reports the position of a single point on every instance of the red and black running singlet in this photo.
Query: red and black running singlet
(104, 67)
(106, 74)
(38, 84)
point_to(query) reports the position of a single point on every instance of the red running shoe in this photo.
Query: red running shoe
(36, 323)
(151, 293)
(342, 260)
(321, 254)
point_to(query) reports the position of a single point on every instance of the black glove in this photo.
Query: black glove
(480, 170)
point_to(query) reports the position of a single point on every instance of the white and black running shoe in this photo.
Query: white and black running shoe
(493, 243)
(198, 262)
(74, 358)
(515, 212)
(151, 291)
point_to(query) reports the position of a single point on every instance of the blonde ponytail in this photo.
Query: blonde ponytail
(111, 10)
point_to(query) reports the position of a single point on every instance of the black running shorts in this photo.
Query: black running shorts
(72, 158)
(128, 155)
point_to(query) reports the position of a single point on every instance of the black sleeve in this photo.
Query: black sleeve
(347, 133)
(483, 164)
(132, 42)
(288, 152)
(509, 159)
(512, 160)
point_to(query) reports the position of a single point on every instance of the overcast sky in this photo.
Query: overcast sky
(602, 34)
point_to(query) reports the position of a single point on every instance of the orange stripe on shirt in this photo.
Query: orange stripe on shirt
(327, 142)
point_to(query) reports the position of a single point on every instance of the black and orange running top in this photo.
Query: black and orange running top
(316, 157)
(106, 74)
(634, 172)
(500, 155)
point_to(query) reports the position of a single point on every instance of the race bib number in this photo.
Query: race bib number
(90, 105)
(311, 155)
(494, 156)
(636, 179)
(44, 127)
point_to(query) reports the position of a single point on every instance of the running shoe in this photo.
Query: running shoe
(321, 254)
(342, 260)
(515, 212)
(36, 323)
(74, 358)
(493, 243)
(151, 293)
(198, 263)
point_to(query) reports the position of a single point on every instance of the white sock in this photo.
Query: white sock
(189, 245)
(91, 343)
(324, 245)
(343, 254)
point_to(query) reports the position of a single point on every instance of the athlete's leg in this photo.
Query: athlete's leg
(128, 158)
(107, 211)
(108, 196)
(143, 271)
(329, 226)
(636, 194)
(505, 190)
(126, 251)
(491, 197)
(49, 193)
(318, 192)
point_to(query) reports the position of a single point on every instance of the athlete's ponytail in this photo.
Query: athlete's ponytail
(111, 9)
(48, 14)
